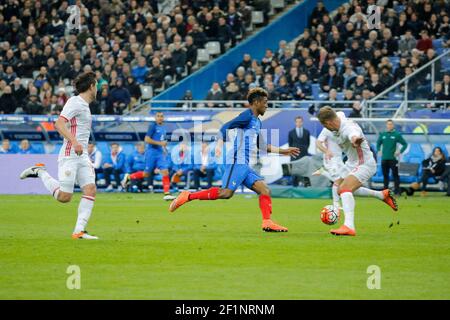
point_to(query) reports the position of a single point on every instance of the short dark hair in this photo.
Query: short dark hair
(298, 117)
(84, 81)
(256, 94)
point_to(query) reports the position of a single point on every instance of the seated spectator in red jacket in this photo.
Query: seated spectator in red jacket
(425, 42)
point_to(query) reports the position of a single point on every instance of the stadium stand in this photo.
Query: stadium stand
(335, 50)
(149, 45)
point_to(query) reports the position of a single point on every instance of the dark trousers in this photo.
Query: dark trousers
(116, 172)
(209, 174)
(446, 178)
(386, 166)
(426, 174)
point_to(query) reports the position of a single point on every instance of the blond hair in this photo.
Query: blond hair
(326, 114)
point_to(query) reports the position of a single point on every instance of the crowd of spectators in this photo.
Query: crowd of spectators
(347, 59)
(126, 43)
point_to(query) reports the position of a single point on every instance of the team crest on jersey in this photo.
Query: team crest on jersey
(68, 173)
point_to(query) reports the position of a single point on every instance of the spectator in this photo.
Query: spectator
(8, 102)
(437, 94)
(375, 86)
(119, 99)
(206, 167)
(6, 147)
(114, 164)
(425, 42)
(302, 89)
(187, 97)
(179, 60)
(33, 105)
(432, 167)
(332, 97)
(134, 89)
(136, 163)
(140, 71)
(191, 54)
(156, 74)
(224, 34)
(407, 42)
(25, 147)
(19, 93)
(96, 157)
(387, 146)
(356, 110)
(215, 93)
(331, 81)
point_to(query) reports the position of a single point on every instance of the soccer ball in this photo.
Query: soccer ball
(329, 215)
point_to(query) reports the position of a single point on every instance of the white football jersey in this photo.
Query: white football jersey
(330, 141)
(76, 111)
(348, 130)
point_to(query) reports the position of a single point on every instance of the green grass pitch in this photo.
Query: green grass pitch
(216, 250)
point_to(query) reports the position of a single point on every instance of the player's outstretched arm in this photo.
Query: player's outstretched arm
(291, 151)
(321, 147)
(61, 127)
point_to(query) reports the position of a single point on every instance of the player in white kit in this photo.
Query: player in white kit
(358, 169)
(74, 166)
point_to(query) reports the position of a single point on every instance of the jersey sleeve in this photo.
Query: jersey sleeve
(241, 121)
(151, 130)
(69, 111)
(323, 135)
(352, 130)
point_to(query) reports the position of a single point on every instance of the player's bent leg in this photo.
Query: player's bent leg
(213, 193)
(345, 190)
(84, 213)
(265, 205)
(64, 197)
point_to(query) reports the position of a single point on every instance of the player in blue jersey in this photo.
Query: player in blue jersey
(156, 155)
(245, 144)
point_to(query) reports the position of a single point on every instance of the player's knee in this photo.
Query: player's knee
(90, 190)
(225, 194)
(64, 197)
(266, 191)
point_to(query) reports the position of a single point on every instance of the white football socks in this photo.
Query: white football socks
(365, 192)
(84, 213)
(334, 191)
(50, 183)
(348, 204)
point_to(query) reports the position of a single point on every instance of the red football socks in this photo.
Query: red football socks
(137, 175)
(166, 184)
(209, 194)
(265, 204)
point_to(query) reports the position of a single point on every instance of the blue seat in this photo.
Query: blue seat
(128, 148)
(437, 43)
(415, 154)
(103, 147)
(315, 87)
(38, 147)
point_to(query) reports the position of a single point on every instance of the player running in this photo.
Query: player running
(335, 170)
(74, 124)
(155, 156)
(358, 169)
(238, 165)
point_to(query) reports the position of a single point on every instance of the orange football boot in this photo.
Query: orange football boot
(182, 198)
(270, 226)
(389, 199)
(343, 231)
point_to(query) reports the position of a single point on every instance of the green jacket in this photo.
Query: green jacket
(389, 140)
